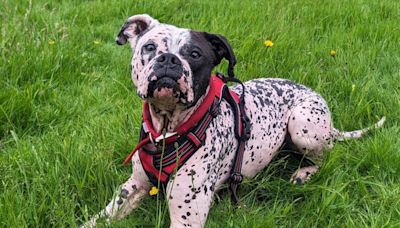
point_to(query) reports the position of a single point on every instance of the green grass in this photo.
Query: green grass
(69, 114)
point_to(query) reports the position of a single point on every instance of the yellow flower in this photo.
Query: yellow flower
(353, 87)
(96, 42)
(153, 191)
(333, 53)
(52, 42)
(268, 43)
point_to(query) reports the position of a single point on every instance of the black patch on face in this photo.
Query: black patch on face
(202, 65)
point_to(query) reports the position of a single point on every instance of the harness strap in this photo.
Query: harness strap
(242, 133)
(138, 146)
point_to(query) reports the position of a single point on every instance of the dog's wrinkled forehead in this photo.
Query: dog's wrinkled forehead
(169, 37)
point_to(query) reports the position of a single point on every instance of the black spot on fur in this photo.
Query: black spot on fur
(124, 194)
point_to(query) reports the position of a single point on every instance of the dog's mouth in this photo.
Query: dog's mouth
(168, 86)
(165, 93)
(165, 87)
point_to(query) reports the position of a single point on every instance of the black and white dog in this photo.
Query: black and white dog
(171, 69)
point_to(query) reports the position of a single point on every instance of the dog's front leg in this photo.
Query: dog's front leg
(188, 202)
(127, 197)
(190, 191)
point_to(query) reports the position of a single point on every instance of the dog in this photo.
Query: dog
(171, 68)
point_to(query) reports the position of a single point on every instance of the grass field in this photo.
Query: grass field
(69, 113)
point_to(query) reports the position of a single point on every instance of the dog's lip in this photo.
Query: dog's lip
(166, 79)
(165, 73)
(163, 76)
(163, 92)
(164, 84)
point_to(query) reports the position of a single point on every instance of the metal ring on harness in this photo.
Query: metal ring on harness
(236, 177)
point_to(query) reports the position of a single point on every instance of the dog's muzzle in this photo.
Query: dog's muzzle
(168, 65)
(167, 70)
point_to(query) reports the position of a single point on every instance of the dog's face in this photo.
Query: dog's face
(171, 66)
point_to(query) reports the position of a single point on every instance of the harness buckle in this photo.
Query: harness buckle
(164, 136)
(236, 178)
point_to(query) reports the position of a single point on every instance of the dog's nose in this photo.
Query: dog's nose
(168, 59)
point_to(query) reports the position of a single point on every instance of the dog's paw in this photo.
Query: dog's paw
(92, 223)
(303, 175)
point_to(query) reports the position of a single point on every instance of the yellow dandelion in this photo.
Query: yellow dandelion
(353, 87)
(153, 191)
(52, 42)
(333, 53)
(268, 43)
(96, 42)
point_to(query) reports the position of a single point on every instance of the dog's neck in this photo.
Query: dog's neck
(173, 116)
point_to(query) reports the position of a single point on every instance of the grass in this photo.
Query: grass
(69, 114)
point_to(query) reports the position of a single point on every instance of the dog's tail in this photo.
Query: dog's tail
(342, 135)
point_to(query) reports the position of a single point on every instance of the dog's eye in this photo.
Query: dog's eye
(195, 54)
(149, 47)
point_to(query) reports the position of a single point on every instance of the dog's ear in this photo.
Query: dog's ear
(222, 49)
(133, 27)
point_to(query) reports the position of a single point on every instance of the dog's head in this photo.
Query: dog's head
(171, 66)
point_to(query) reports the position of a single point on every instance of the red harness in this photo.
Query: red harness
(162, 155)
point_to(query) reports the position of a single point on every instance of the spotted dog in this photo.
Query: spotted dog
(171, 69)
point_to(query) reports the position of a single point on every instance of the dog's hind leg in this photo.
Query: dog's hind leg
(311, 131)
(309, 126)
(127, 197)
